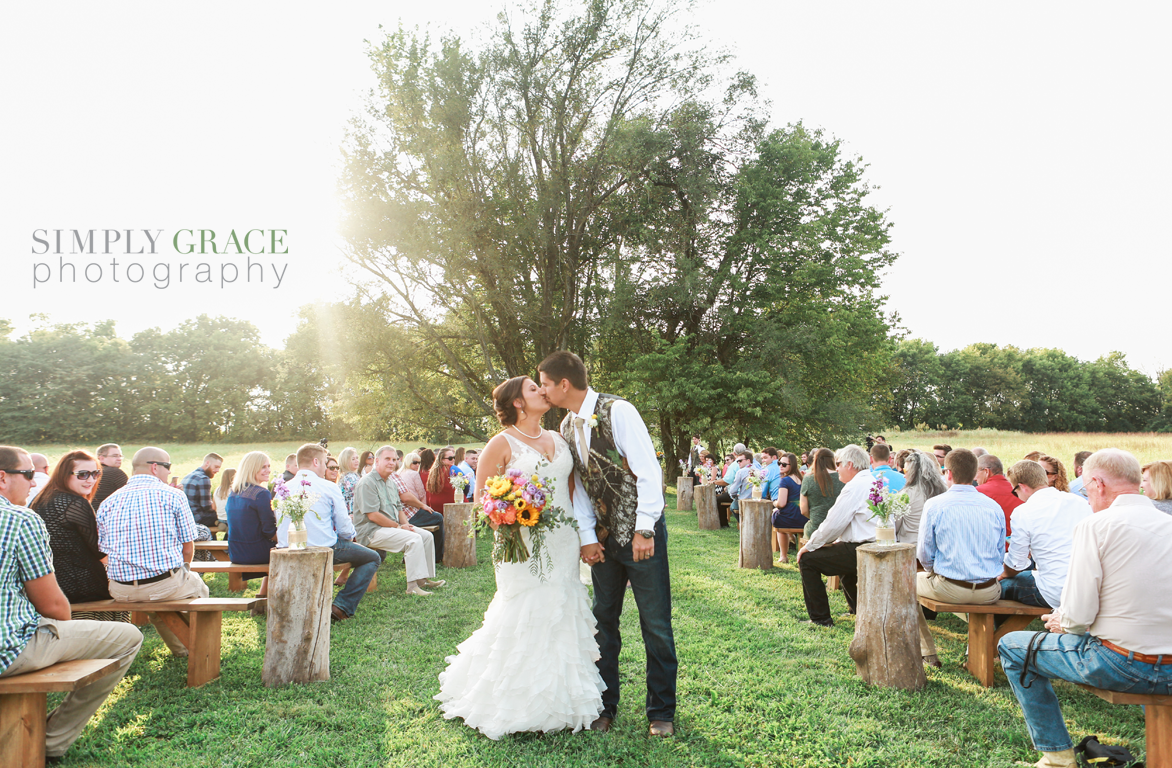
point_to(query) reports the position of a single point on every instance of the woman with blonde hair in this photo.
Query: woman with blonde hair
(1157, 484)
(1055, 473)
(348, 464)
(252, 525)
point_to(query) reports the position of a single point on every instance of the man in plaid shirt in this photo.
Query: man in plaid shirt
(35, 630)
(417, 511)
(198, 487)
(147, 531)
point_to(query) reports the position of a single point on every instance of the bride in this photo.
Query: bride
(531, 665)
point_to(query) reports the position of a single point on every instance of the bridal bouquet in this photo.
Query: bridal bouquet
(887, 507)
(513, 501)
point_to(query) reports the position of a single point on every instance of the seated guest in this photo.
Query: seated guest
(426, 462)
(741, 488)
(41, 478)
(290, 467)
(770, 473)
(419, 514)
(35, 627)
(198, 487)
(881, 467)
(147, 533)
(1157, 485)
(819, 491)
(1043, 529)
(830, 551)
(329, 525)
(348, 465)
(1113, 629)
(787, 510)
(724, 480)
(439, 486)
(467, 467)
(410, 475)
(220, 498)
(993, 484)
(940, 452)
(252, 524)
(923, 482)
(64, 506)
(900, 459)
(366, 463)
(382, 524)
(1055, 472)
(962, 538)
(1076, 484)
(113, 478)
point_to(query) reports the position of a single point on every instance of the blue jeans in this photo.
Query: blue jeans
(1024, 589)
(651, 585)
(1078, 659)
(364, 564)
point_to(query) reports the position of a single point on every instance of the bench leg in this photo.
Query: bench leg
(1012, 624)
(22, 729)
(139, 618)
(235, 582)
(981, 648)
(203, 661)
(373, 584)
(1158, 727)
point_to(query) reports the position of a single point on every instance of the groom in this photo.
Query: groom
(618, 502)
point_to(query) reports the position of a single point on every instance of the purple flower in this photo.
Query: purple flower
(305, 482)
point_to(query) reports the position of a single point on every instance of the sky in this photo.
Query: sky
(1019, 149)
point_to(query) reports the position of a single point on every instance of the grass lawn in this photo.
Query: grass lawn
(756, 688)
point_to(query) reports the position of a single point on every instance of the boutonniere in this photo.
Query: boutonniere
(593, 421)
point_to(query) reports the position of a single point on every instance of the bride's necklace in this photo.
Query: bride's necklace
(540, 432)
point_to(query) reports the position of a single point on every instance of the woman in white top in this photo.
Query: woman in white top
(220, 500)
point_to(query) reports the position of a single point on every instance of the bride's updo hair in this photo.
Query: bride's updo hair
(503, 397)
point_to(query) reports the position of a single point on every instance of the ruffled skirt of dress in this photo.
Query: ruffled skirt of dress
(530, 666)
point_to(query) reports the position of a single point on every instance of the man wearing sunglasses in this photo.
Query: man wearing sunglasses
(35, 630)
(147, 532)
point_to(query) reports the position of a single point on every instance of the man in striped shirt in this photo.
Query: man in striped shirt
(962, 540)
(147, 532)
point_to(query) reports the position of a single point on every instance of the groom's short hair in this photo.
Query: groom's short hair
(565, 365)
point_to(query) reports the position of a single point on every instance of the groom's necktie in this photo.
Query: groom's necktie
(583, 447)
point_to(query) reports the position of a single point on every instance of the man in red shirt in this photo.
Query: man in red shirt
(994, 484)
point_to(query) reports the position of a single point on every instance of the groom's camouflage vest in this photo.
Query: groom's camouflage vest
(608, 478)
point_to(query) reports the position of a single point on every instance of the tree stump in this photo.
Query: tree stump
(886, 646)
(756, 534)
(459, 546)
(684, 494)
(706, 511)
(301, 588)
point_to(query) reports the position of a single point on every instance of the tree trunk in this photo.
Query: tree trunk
(756, 534)
(297, 649)
(706, 511)
(684, 493)
(459, 546)
(886, 646)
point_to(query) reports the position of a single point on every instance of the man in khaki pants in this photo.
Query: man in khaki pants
(35, 630)
(147, 532)
(962, 542)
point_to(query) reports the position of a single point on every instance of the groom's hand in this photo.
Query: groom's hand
(641, 548)
(592, 553)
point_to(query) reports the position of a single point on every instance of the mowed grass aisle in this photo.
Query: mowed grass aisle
(756, 688)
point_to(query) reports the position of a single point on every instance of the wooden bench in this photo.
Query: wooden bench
(196, 622)
(1157, 722)
(218, 549)
(23, 703)
(235, 572)
(983, 636)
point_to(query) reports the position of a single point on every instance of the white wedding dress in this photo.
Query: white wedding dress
(531, 665)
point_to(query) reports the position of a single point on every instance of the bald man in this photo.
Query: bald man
(147, 531)
(41, 478)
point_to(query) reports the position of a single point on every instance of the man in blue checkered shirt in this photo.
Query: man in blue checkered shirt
(146, 530)
(35, 627)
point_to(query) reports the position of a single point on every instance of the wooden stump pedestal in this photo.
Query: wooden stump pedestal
(301, 589)
(706, 512)
(459, 545)
(756, 533)
(886, 646)
(684, 500)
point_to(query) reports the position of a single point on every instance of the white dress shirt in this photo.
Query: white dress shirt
(40, 480)
(1044, 526)
(1119, 587)
(331, 522)
(850, 517)
(633, 442)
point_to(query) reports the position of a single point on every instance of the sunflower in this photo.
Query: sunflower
(528, 516)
